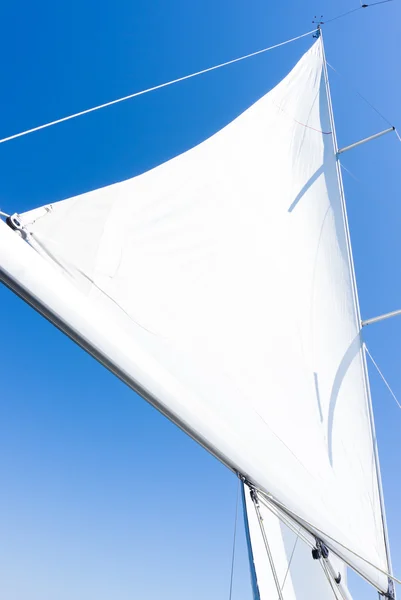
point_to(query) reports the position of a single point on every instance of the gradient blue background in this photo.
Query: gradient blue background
(102, 498)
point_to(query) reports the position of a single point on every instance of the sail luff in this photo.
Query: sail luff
(358, 315)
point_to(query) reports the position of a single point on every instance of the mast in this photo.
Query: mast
(391, 589)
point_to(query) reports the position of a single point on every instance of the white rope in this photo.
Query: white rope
(267, 545)
(334, 588)
(152, 89)
(382, 376)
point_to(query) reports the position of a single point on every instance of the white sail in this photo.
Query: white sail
(298, 575)
(219, 285)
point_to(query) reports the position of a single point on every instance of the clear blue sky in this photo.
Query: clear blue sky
(102, 498)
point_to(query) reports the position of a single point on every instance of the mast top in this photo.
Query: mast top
(319, 22)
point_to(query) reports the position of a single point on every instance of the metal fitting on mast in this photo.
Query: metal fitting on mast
(321, 551)
(390, 594)
(317, 33)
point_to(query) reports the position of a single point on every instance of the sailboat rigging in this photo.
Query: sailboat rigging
(181, 281)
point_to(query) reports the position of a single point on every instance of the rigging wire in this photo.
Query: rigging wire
(361, 95)
(334, 588)
(299, 533)
(313, 528)
(152, 89)
(350, 172)
(382, 376)
(285, 520)
(342, 15)
(349, 12)
(267, 545)
(358, 93)
(289, 562)
(234, 541)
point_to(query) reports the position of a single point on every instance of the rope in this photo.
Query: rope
(234, 541)
(376, 3)
(300, 535)
(349, 172)
(285, 520)
(267, 546)
(289, 562)
(342, 15)
(151, 89)
(382, 376)
(313, 529)
(363, 97)
(334, 588)
(298, 532)
(355, 9)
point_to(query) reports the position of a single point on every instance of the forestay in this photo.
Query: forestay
(218, 285)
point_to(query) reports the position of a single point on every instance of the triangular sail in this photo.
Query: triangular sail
(218, 285)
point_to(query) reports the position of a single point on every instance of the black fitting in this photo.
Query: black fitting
(13, 222)
(316, 554)
(321, 550)
(390, 594)
(254, 495)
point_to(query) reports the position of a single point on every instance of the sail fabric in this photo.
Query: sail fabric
(220, 284)
(298, 574)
